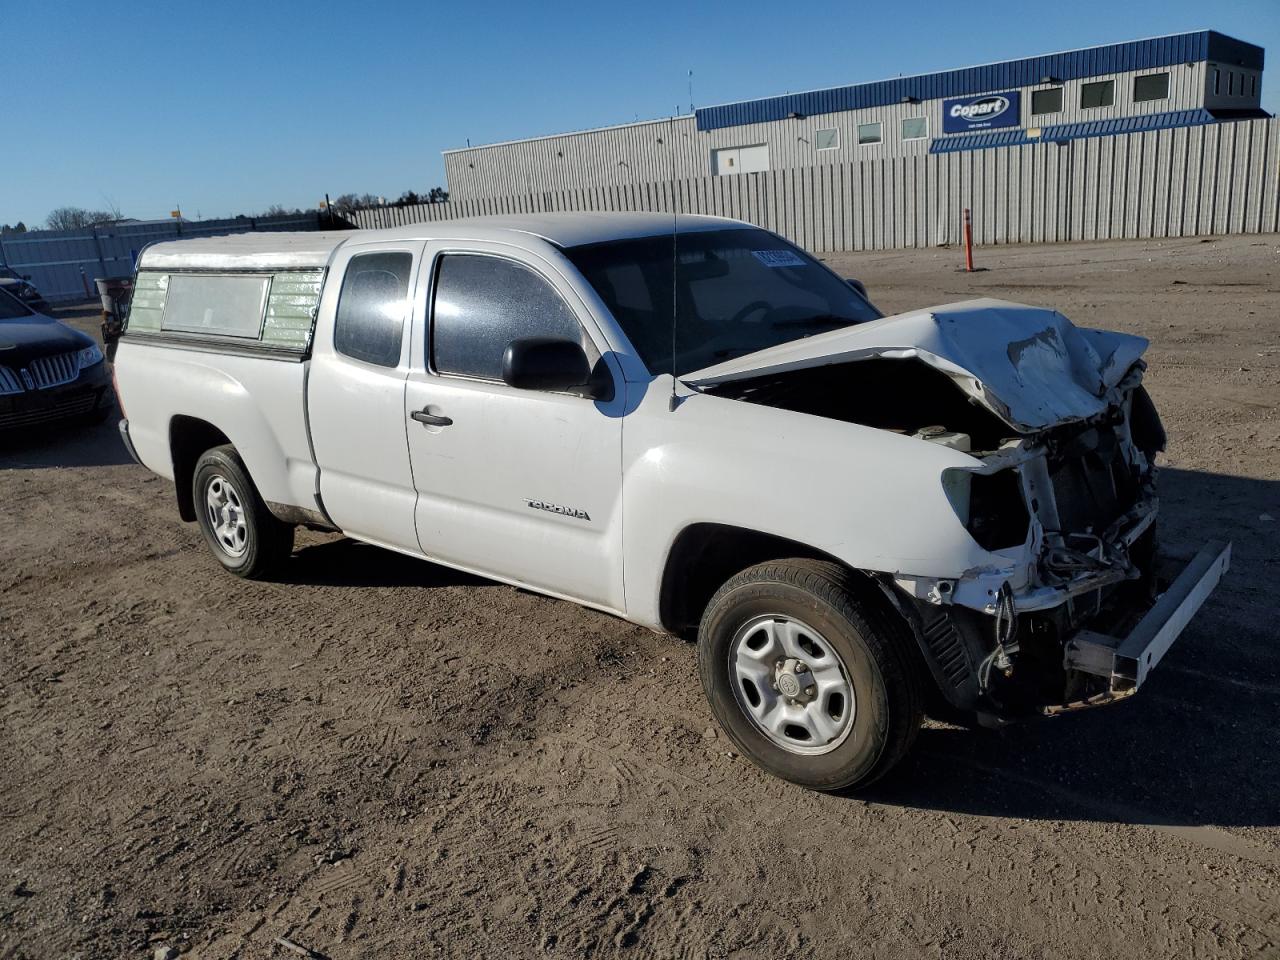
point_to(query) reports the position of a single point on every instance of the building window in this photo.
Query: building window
(870, 133)
(1046, 101)
(372, 306)
(915, 128)
(1153, 86)
(1101, 93)
(1253, 85)
(1231, 83)
(1217, 81)
(827, 139)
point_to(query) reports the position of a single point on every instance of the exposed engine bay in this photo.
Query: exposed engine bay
(1067, 506)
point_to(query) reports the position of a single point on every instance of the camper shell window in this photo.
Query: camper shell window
(227, 305)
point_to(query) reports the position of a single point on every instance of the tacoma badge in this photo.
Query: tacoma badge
(556, 508)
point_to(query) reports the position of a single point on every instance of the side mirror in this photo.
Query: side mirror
(545, 363)
(859, 286)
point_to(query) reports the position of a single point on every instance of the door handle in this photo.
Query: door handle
(431, 419)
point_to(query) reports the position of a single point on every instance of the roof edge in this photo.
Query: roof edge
(570, 133)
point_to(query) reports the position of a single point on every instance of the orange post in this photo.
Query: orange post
(968, 241)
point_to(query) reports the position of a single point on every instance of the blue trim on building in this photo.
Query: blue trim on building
(1073, 65)
(1060, 132)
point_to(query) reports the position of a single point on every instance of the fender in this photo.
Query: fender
(260, 411)
(871, 499)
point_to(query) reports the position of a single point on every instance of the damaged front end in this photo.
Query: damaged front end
(1075, 603)
(1087, 604)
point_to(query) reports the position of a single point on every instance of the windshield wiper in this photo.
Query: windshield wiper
(821, 320)
(729, 352)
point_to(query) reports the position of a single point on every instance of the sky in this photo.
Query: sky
(224, 107)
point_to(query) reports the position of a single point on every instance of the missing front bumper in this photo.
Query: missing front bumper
(1126, 661)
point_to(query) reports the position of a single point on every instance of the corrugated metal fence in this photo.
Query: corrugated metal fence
(63, 264)
(1187, 181)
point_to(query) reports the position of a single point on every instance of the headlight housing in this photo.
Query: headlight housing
(990, 505)
(89, 356)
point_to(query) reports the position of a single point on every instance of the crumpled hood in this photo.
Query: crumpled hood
(1031, 367)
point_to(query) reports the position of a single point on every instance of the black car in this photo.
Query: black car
(22, 288)
(48, 371)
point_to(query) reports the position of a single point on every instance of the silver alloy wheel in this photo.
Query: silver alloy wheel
(225, 511)
(792, 684)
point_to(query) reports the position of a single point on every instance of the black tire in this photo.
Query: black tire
(887, 696)
(262, 542)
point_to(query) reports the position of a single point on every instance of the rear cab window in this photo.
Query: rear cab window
(372, 307)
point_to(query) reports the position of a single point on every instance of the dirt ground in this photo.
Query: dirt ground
(377, 757)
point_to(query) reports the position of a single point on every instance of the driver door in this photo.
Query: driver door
(523, 485)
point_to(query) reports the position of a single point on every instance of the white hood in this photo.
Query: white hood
(1031, 367)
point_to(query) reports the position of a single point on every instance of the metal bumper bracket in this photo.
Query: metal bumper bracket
(1126, 661)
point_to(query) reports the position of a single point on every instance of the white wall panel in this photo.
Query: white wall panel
(1185, 181)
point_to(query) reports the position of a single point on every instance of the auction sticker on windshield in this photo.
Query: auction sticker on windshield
(778, 258)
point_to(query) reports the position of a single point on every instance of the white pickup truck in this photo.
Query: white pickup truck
(859, 517)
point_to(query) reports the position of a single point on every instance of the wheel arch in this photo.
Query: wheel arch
(705, 555)
(189, 437)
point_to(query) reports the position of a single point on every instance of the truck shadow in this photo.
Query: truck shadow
(64, 444)
(350, 563)
(1196, 747)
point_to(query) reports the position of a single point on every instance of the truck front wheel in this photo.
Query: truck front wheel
(808, 679)
(239, 529)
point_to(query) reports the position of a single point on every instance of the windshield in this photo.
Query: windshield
(738, 291)
(11, 308)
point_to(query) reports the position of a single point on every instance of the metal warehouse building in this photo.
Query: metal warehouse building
(1182, 80)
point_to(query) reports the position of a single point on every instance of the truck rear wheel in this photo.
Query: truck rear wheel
(241, 532)
(810, 681)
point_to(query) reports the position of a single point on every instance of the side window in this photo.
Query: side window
(482, 303)
(1101, 93)
(1151, 86)
(372, 306)
(1046, 101)
(915, 128)
(217, 305)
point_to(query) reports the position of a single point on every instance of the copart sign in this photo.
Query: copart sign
(981, 113)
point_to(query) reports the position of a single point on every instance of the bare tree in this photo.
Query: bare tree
(346, 203)
(349, 202)
(77, 218)
(434, 195)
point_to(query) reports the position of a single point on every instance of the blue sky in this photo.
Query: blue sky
(227, 106)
